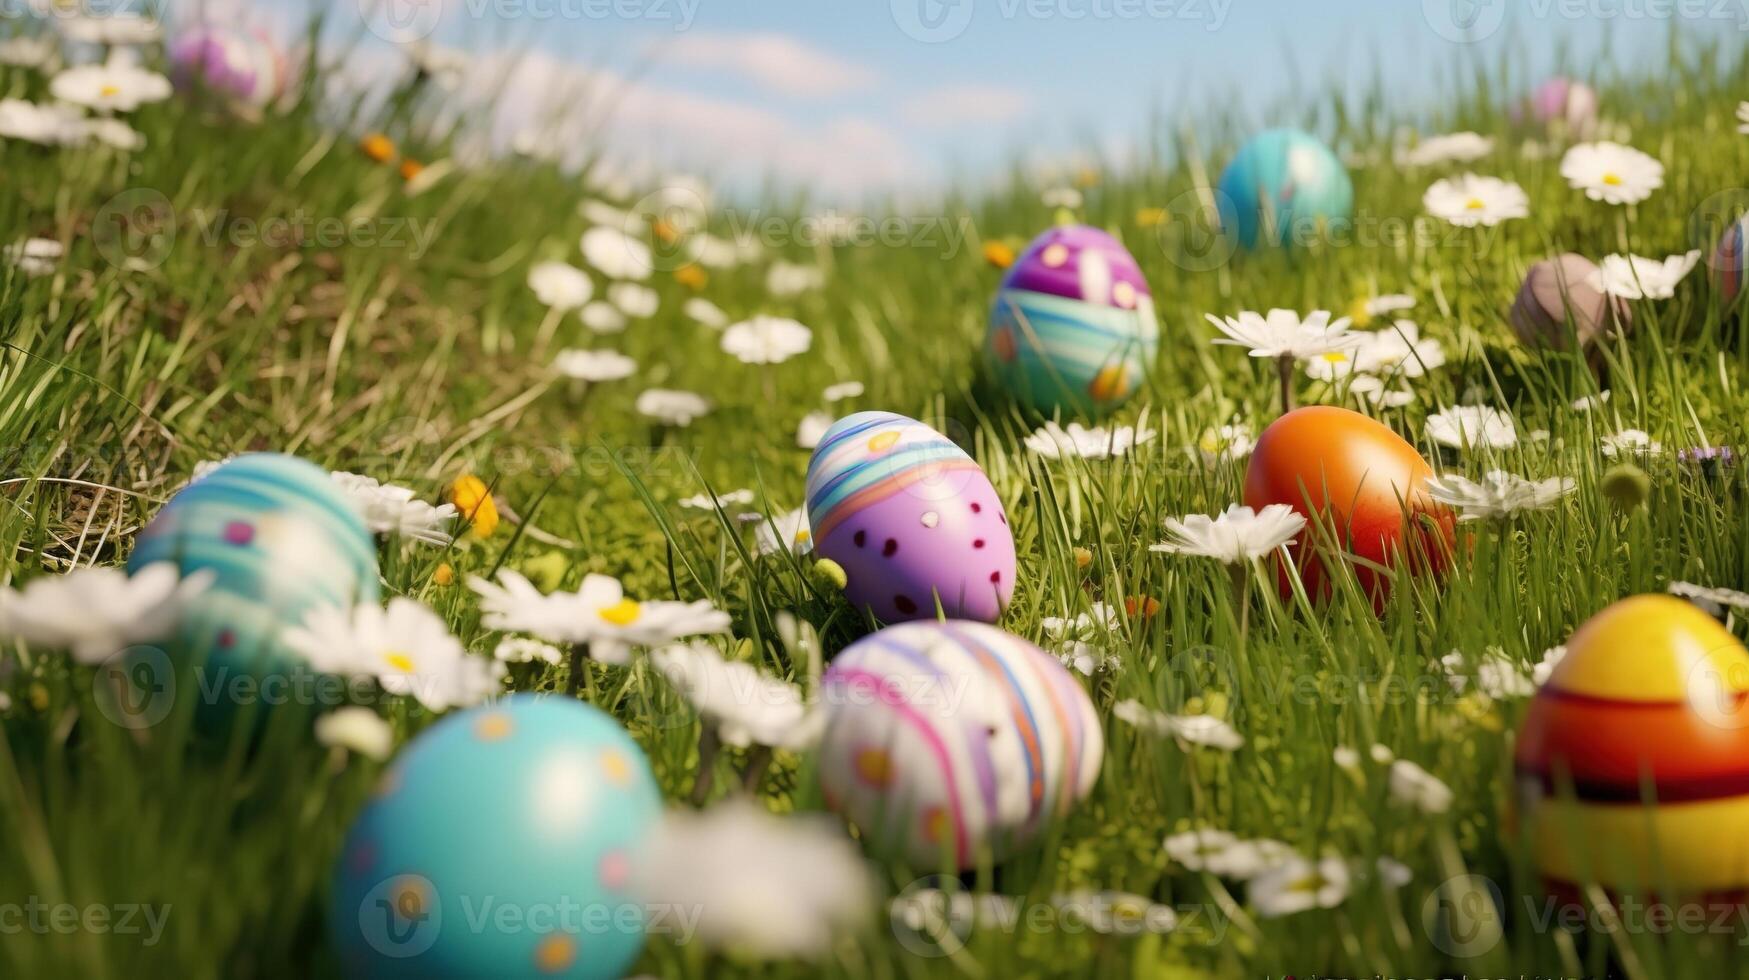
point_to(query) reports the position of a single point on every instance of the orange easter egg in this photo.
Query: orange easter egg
(1363, 484)
(1650, 703)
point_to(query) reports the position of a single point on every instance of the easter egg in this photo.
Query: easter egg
(1360, 481)
(1650, 702)
(911, 519)
(1073, 327)
(279, 541)
(244, 66)
(1281, 187)
(946, 743)
(501, 843)
(1558, 301)
(1564, 103)
(1729, 260)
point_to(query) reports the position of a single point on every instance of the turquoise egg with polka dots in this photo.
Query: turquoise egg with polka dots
(501, 843)
(279, 541)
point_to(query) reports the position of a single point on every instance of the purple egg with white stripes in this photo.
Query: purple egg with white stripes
(912, 520)
(953, 744)
(243, 66)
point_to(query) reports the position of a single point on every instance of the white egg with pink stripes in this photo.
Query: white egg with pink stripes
(952, 744)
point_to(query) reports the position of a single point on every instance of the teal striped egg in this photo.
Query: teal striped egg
(279, 540)
(947, 743)
(503, 842)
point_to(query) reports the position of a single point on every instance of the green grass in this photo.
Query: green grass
(115, 382)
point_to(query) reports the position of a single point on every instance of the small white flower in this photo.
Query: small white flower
(94, 613)
(672, 407)
(1061, 197)
(1389, 303)
(560, 285)
(1393, 873)
(1637, 277)
(1089, 660)
(523, 650)
(616, 254)
(1345, 757)
(111, 87)
(26, 51)
(789, 279)
(1450, 148)
(1497, 675)
(841, 391)
(1499, 494)
(1630, 442)
(1743, 118)
(599, 614)
(760, 885)
(1612, 173)
(1237, 535)
(406, 648)
(705, 313)
(704, 501)
(358, 730)
(602, 317)
(1083, 626)
(1539, 675)
(1298, 885)
(1713, 600)
(389, 509)
(1192, 848)
(1473, 427)
(1381, 754)
(1591, 403)
(1414, 786)
(635, 301)
(785, 532)
(1283, 333)
(1226, 443)
(602, 213)
(1398, 351)
(594, 365)
(110, 132)
(1077, 441)
(1468, 200)
(53, 124)
(746, 707)
(812, 429)
(35, 256)
(1205, 730)
(1243, 860)
(766, 340)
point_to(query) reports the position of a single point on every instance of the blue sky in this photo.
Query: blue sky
(852, 97)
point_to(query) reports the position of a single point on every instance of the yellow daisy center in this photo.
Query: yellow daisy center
(1475, 204)
(1612, 180)
(109, 91)
(402, 662)
(622, 613)
(1336, 357)
(802, 535)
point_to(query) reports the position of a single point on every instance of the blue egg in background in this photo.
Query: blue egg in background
(280, 540)
(500, 844)
(1279, 186)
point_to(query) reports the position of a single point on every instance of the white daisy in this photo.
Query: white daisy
(560, 285)
(110, 87)
(1398, 351)
(672, 407)
(1298, 885)
(785, 532)
(94, 613)
(1103, 619)
(759, 885)
(594, 365)
(1539, 674)
(635, 301)
(1283, 333)
(1205, 730)
(1612, 173)
(745, 706)
(1499, 494)
(766, 340)
(705, 313)
(616, 254)
(812, 429)
(1240, 534)
(1088, 660)
(1473, 427)
(108, 131)
(1630, 442)
(599, 614)
(1192, 848)
(523, 650)
(1743, 118)
(406, 648)
(35, 256)
(1388, 303)
(841, 391)
(1243, 860)
(1468, 200)
(1451, 148)
(1414, 786)
(1591, 403)
(51, 124)
(704, 501)
(390, 509)
(27, 51)
(789, 279)
(1077, 441)
(1061, 197)
(1636, 277)
(1226, 443)
(602, 317)
(358, 730)
(604, 214)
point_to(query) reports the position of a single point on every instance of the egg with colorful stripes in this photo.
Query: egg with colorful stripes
(954, 744)
(279, 541)
(503, 842)
(1073, 328)
(1730, 259)
(912, 520)
(1649, 703)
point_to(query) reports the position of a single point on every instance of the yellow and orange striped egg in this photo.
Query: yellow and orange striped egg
(951, 743)
(1633, 759)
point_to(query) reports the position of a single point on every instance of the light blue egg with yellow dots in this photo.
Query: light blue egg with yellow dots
(279, 541)
(1284, 187)
(500, 844)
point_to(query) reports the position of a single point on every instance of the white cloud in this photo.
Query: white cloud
(775, 61)
(960, 105)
